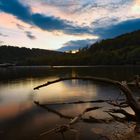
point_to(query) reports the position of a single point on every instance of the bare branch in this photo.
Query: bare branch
(77, 118)
(128, 116)
(53, 111)
(78, 78)
(122, 85)
(84, 102)
(119, 119)
(121, 105)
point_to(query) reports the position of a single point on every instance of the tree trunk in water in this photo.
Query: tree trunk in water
(123, 86)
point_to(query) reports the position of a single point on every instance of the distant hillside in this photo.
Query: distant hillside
(13, 54)
(125, 40)
(124, 49)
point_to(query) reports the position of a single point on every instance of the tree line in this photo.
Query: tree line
(124, 49)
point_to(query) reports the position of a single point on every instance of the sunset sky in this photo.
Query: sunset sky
(52, 24)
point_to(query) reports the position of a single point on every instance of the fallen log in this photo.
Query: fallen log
(123, 86)
(85, 102)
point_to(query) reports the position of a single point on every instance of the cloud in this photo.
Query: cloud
(21, 27)
(1, 42)
(118, 29)
(49, 23)
(3, 35)
(75, 45)
(30, 35)
(110, 31)
(15, 8)
(105, 21)
(97, 4)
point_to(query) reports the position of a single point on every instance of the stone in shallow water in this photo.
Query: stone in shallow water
(97, 130)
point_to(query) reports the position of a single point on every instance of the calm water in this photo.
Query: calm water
(21, 119)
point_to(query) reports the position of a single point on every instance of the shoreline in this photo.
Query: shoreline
(59, 66)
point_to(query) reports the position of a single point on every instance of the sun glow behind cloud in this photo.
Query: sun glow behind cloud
(51, 24)
(44, 39)
(136, 7)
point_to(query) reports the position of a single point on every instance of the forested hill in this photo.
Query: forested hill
(13, 54)
(124, 49)
(121, 50)
(129, 39)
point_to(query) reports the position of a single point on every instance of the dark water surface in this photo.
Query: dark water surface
(21, 119)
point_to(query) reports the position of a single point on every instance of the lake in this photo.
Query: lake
(22, 119)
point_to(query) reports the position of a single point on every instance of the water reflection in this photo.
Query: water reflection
(21, 119)
(67, 91)
(115, 72)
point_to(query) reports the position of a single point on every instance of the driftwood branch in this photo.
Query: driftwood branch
(73, 120)
(116, 104)
(53, 111)
(104, 80)
(128, 116)
(90, 119)
(122, 85)
(119, 119)
(85, 102)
